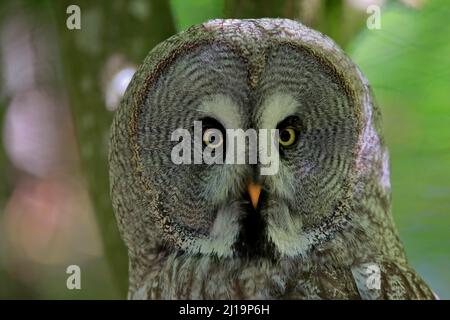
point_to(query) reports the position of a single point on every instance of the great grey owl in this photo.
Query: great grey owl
(320, 228)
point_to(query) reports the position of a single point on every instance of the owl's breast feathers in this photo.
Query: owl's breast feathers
(181, 277)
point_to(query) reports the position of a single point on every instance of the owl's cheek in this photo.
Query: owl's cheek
(222, 234)
(284, 229)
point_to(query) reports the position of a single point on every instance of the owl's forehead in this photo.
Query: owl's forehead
(245, 72)
(257, 87)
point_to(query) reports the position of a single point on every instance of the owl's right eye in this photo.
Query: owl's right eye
(212, 138)
(213, 133)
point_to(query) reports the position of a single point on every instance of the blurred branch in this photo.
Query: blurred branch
(129, 29)
(337, 19)
(241, 9)
(6, 184)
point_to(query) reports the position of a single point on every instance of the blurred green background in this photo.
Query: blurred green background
(60, 87)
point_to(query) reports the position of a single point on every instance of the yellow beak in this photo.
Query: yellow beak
(254, 190)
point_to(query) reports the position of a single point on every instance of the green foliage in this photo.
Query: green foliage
(407, 63)
(188, 13)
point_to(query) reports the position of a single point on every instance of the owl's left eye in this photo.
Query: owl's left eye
(288, 131)
(287, 136)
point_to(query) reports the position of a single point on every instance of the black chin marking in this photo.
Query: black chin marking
(252, 241)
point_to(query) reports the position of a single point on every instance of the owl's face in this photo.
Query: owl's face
(208, 208)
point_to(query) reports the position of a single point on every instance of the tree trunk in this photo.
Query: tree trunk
(126, 29)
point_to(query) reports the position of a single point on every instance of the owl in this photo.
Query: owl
(320, 227)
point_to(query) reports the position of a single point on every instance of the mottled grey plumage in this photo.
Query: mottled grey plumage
(322, 219)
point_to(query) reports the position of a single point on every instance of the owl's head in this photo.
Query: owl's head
(255, 75)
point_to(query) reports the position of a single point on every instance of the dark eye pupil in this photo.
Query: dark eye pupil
(285, 135)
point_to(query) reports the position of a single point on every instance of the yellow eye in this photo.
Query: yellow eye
(287, 136)
(212, 138)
